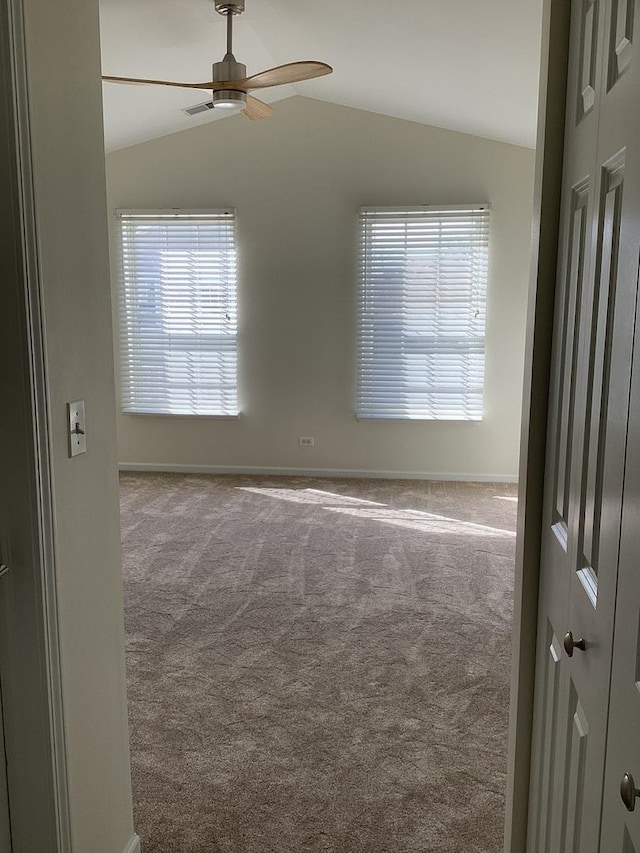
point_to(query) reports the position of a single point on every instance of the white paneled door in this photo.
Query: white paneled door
(587, 565)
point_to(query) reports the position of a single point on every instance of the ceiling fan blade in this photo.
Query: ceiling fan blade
(256, 109)
(293, 72)
(136, 80)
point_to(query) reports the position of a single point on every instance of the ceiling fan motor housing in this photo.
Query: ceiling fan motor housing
(228, 70)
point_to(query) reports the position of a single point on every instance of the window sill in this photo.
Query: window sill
(180, 415)
(407, 419)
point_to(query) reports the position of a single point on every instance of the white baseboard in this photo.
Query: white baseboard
(133, 845)
(162, 467)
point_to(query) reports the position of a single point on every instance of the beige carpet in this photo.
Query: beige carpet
(317, 665)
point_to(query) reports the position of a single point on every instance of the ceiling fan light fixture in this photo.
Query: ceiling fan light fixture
(229, 99)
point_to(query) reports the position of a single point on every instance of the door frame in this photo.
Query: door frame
(18, 217)
(32, 702)
(544, 256)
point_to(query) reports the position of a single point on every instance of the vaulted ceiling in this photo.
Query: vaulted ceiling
(467, 65)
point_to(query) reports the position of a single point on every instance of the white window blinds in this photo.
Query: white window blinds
(422, 312)
(178, 312)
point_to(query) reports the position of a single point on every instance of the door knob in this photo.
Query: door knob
(570, 644)
(629, 792)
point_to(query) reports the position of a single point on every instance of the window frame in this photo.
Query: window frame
(362, 414)
(121, 215)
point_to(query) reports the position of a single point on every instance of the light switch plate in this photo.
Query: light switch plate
(77, 425)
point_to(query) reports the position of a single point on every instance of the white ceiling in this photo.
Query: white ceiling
(468, 65)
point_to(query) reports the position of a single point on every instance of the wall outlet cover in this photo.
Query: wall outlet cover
(306, 441)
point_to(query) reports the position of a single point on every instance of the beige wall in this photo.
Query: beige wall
(297, 181)
(63, 58)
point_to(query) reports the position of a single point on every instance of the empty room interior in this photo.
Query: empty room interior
(319, 295)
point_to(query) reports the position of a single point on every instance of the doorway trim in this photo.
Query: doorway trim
(41, 624)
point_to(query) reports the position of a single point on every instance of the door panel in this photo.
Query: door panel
(589, 56)
(542, 799)
(602, 309)
(574, 775)
(569, 355)
(621, 40)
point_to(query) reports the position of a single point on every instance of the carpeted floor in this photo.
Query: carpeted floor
(317, 665)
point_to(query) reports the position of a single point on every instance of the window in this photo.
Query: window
(422, 312)
(178, 312)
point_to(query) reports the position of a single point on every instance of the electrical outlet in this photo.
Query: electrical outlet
(306, 441)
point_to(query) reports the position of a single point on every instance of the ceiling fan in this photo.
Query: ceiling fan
(230, 86)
